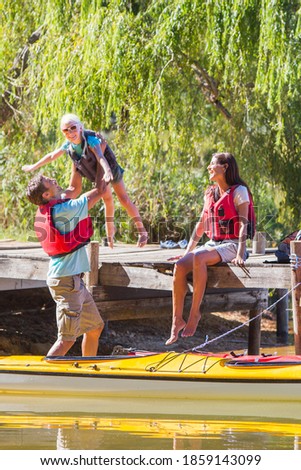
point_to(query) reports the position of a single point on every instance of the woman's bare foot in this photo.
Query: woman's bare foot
(142, 239)
(191, 326)
(175, 330)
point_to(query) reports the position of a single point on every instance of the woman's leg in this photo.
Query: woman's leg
(109, 215)
(201, 261)
(182, 268)
(132, 211)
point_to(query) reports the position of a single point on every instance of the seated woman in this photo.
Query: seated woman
(225, 221)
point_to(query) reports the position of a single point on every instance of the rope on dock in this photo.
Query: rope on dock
(295, 261)
(197, 348)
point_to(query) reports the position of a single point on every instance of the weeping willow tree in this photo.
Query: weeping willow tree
(170, 81)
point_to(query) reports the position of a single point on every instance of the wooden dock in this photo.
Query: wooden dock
(130, 282)
(129, 266)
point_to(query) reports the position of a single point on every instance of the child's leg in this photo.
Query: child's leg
(132, 211)
(109, 215)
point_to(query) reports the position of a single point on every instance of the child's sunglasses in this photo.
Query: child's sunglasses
(68, 129)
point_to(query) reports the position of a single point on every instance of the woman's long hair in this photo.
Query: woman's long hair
(232, 172)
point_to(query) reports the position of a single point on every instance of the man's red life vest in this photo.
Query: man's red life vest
(55, 243)
(221, 220)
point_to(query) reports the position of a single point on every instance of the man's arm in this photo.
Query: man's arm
(93, 197)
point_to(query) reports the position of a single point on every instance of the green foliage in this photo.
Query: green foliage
(161, 78)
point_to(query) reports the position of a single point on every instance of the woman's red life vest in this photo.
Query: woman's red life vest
(221, 220)
(55, 243)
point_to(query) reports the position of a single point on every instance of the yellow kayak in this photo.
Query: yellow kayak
(145, 374)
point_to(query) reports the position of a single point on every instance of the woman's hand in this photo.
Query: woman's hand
(175, 258)
(238, 261)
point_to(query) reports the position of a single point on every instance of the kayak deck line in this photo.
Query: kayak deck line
(171, 378)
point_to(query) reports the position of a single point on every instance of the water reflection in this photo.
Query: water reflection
(81, 431)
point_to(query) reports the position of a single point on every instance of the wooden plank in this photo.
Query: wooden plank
(130, 308)
(254, 331)
(228, 301)
(106, 293)
(296, 295)
(16, 284)
(24, 268)
(282, 315)
(123, 253)
(129, 276)
(91, 278)
(249, 296)
(263, 276)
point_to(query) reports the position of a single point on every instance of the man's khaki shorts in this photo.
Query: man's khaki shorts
(76, 311)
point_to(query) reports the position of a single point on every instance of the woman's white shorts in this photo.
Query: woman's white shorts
(226, 249)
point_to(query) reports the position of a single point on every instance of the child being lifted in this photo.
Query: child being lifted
(92, 158)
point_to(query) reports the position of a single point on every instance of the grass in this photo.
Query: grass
(13, 233)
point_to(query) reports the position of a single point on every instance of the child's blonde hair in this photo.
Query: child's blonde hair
(71, 119)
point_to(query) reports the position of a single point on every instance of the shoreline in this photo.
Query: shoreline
(28, 326)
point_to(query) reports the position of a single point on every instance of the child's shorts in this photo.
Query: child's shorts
(117, 174)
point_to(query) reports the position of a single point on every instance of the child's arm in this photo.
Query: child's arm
(103, 142)
(49, 158)
(107, 177)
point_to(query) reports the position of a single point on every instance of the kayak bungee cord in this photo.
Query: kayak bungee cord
(156, 366)
(198, 348)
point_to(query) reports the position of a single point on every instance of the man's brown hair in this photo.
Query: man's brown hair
(35, 189)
